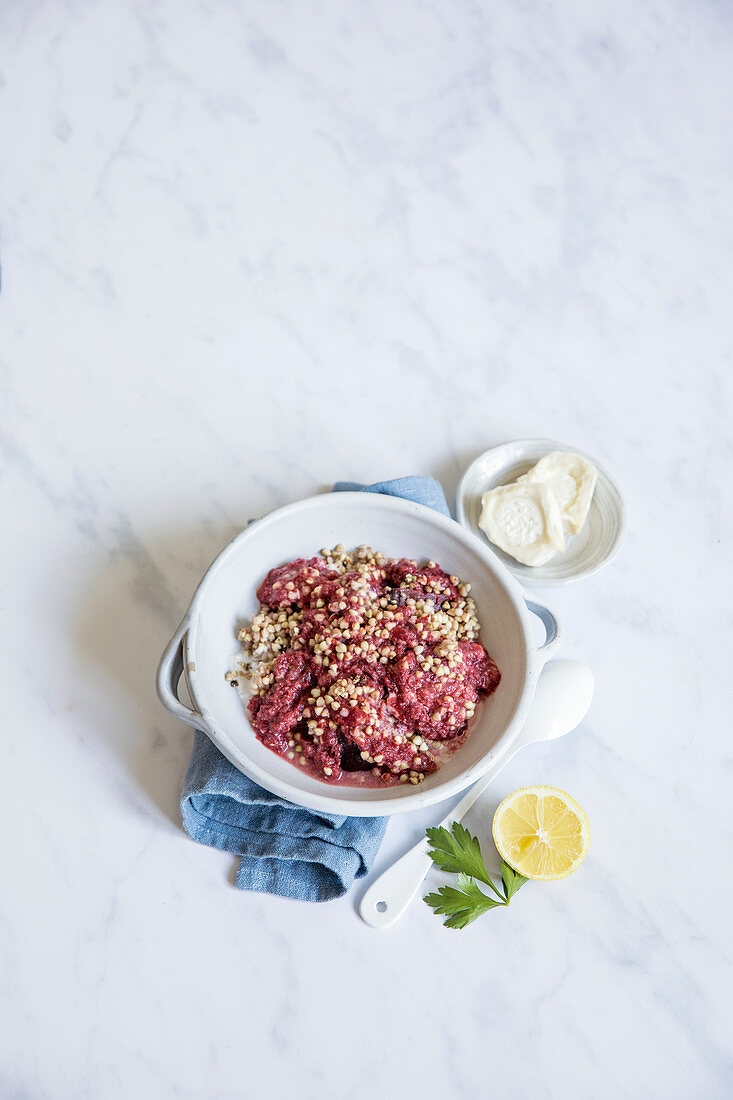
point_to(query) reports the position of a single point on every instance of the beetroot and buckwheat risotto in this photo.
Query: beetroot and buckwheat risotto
(363, 669)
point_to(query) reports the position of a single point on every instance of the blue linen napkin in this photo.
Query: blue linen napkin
(286, 849)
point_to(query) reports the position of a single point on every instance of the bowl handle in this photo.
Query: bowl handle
(169, 675)
(549, 620)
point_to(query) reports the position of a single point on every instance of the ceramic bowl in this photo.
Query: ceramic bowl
(205, 645)
(593, 547)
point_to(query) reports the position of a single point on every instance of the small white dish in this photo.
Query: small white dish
(593, 547)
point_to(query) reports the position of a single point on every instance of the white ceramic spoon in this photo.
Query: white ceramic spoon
(562, 698)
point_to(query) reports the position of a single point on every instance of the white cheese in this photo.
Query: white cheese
(524, 520)
(571, 480)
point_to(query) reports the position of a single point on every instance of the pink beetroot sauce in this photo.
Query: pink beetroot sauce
(370, 668)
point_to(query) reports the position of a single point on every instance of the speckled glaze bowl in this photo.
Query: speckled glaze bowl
(204, 647)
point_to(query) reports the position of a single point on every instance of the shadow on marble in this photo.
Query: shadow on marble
(451, 470)
(134, 603)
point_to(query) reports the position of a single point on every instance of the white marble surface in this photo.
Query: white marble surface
(248, 249)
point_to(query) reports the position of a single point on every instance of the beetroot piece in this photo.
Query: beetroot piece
(480, 670)
(325, 752)
(439, 706)
(292, 584)
(419, 583)
(276, 714)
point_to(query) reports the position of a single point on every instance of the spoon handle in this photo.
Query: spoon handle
(386, 899)
(389, 896)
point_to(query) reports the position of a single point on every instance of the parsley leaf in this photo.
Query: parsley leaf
(462, 905)
(511, 879)
(455, 850)
(459, 852)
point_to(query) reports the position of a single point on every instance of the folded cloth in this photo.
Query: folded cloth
(283, 848)
(423, 490)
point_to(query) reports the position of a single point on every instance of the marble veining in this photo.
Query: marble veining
(248, 250)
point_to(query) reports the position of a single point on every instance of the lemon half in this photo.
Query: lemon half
(541, 832)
